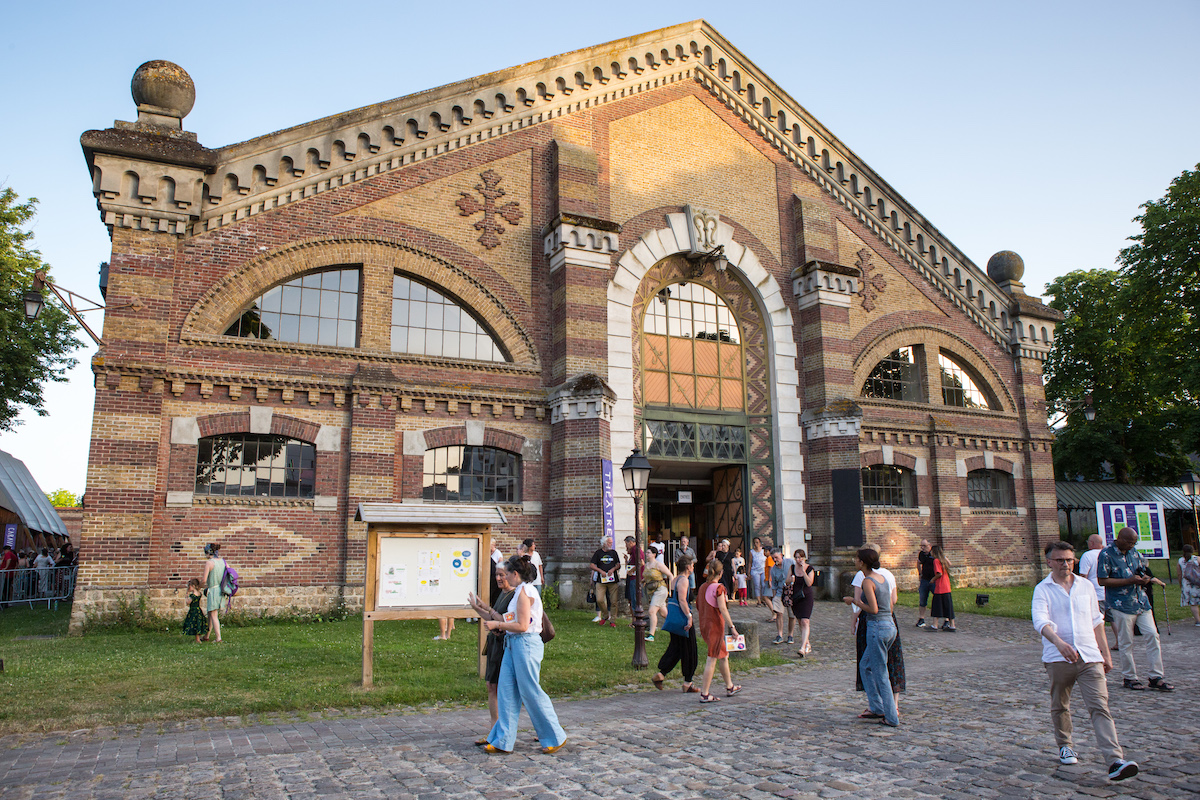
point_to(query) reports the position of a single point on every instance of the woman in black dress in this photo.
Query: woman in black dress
(801, 579)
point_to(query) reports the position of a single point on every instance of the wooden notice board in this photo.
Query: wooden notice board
(422, 561)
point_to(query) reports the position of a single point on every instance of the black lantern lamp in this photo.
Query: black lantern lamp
(1089, 410)
(34, 302)
(1189, 482)
(636, 473)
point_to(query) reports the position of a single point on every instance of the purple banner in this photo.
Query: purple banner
(610, 520)
(10, 533)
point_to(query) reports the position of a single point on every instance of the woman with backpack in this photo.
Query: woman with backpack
(214, 572)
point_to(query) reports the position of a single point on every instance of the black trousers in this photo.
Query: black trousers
(681, 651)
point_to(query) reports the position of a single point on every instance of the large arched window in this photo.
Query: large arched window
(897, 377)
(427, 322)
(691, 351)
(886, 485)
(960, 387)
(318, 308)
(471, 474)
(990, 488)
(255, 465)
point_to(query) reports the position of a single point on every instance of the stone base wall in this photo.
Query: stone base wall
(100, 604)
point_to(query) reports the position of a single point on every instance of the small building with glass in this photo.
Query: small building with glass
(493, 291)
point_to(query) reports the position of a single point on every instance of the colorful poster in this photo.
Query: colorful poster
(460, 562)
(429, 572)
(610, 519)
(1145, 518)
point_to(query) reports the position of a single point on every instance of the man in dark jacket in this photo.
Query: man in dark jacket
(925, 572)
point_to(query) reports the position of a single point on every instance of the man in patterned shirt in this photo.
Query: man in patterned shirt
(1122, 574)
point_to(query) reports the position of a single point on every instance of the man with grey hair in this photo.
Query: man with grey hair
(1089, 566)
(605, 563)
(686, 550)
(1123, 574)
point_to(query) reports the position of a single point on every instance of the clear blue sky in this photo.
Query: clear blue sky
(1038, 127)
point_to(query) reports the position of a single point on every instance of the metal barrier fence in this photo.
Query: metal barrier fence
(34, 585)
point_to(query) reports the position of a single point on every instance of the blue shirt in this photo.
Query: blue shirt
(1113, 563)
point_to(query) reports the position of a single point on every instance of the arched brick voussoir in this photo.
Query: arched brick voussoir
(217, 308)
(293, 428)
(503, 440)
(871, 459)
(980, 462)
(217, 424)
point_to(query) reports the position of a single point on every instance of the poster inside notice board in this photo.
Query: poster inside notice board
(424, 572)
(1144, 517)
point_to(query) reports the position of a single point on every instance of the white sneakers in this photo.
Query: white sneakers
(1120, 770)
(1067, 756)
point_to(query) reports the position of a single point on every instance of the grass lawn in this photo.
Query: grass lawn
(1014, 601)
(113, 677)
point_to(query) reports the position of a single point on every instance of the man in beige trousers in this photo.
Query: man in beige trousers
(1075, 651)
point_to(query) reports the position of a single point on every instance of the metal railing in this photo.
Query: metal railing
(34, 585)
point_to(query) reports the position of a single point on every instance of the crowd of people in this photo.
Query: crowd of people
(36, 573)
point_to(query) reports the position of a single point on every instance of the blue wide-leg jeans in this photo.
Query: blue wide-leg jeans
(520, 684)
(873, 669)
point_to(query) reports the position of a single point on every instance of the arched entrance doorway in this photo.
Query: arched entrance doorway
(703, 407)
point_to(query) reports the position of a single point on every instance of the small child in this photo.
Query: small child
(195, 623)
(741, 586)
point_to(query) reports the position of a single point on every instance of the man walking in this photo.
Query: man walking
(605, 563)
(1122, 573)
(925, 573)
(634, 555)
(1075, 651)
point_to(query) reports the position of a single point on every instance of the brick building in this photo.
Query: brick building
(483, 291)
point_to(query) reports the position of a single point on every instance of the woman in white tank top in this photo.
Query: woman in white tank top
(520, 673)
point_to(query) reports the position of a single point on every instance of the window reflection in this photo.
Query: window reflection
(318, 308)
(472, 474)
(255, 465)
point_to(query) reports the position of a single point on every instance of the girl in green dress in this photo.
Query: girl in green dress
(195, 623)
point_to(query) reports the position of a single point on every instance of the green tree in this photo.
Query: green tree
(1102, 347)
(62, 498)
(31, 352)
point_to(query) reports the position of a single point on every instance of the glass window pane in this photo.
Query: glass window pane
(289, 328)
(348, 307)
(433, 317)
(272, 298)
(310, 302)
(401, 287)
(269, 327)
(400, 340)
(346, 333)
(416, 341)
(327, 332)
(418, 291)
(433, 343)
(350, 281)
(308, 330)
(452, 318)
(313, 280)
(400, 313)
(290, 302)
(329, 304)
(331, 280)
(416, 314)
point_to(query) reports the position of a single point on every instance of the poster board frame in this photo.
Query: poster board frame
(445, 528)
(1151, 543)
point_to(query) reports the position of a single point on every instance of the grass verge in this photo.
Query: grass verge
(124, 676)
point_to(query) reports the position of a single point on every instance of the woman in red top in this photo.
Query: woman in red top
(714, 617)
(943, 601)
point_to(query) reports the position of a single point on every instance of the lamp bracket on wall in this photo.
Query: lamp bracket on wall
(75, 304)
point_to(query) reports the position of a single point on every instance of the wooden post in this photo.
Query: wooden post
(368, 652)
(485, 547)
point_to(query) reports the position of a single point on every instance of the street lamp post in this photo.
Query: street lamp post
(1190, 484)
(636, 473)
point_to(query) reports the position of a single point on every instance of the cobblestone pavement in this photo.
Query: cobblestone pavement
(974, 724)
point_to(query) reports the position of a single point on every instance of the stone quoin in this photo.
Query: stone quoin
(480, 292)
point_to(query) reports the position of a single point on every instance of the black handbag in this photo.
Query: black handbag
(591, 597)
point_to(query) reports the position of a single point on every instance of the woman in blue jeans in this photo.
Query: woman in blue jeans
(876, 606)
(520, 673)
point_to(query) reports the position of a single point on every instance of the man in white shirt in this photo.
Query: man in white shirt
(1088, 563)
(1075, 651)
(497, 556)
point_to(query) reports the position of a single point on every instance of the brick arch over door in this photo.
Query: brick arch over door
(779, 341)
(874, 458)
(933, 339)
(212, 314)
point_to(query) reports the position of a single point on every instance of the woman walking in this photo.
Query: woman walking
(214, 572)
(803, 576)
(520, 673)
(895, 654)
(713, 611)
(682, 649)
(876, 609)
(758, 571)
(943, 600)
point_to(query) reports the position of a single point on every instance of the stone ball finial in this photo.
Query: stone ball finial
(164, 85)
(1005, 266)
